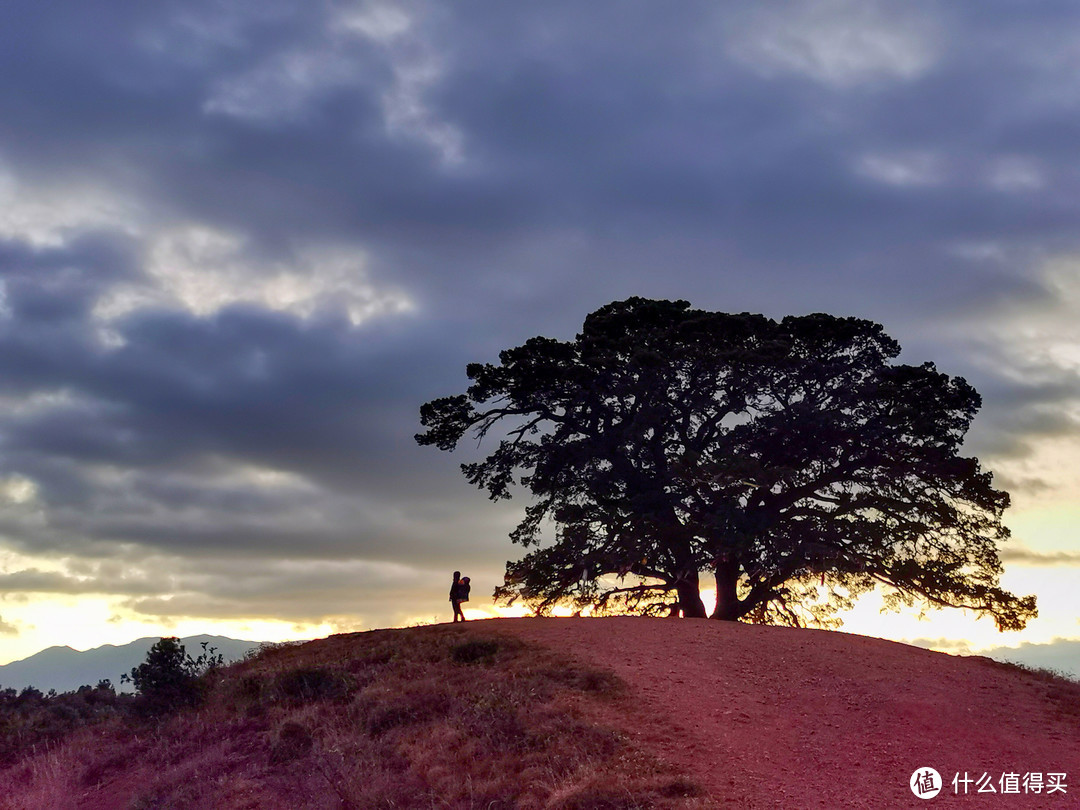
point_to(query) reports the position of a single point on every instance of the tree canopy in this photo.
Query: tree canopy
(789, 460)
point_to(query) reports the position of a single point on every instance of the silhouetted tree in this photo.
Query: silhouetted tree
(169, 678)
(789, 460)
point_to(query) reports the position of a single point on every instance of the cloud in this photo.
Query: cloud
(284, 89)
(301, 591)
(204, 271)
(16, 489)
(918, 169)
(1060, 655)
(35, 581)
(1029, 557)
(1025, 367)
(416, 68)
(950, 645)
(51, 214)
(1016, 174)
(304, 591)
(838, 42)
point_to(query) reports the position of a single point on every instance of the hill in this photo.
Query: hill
(65, 669)
(578, 714)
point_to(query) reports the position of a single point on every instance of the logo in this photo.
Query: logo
(925, 783)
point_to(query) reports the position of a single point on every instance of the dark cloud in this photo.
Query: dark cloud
(35, 581)
(242, 242)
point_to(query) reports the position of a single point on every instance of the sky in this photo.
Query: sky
(242, 241)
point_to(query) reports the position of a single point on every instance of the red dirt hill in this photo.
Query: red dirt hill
(780, 717)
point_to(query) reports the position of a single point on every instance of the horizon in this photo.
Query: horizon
(241, 245)
(1048, 656)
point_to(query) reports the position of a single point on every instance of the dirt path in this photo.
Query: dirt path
(771, 717)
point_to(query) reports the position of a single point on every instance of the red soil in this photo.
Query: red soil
(772, 717)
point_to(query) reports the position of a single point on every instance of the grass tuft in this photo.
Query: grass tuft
(294, 740)
(310, 683)
(475, 651)
(402, 710)
(1060, 690)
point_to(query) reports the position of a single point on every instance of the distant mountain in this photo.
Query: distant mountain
(65, 669)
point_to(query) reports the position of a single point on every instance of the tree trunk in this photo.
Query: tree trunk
(689, 591)
(728, 606)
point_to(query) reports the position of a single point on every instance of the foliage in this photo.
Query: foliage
(170, 679)
(30, 719)
(790, 460)
(310, 683)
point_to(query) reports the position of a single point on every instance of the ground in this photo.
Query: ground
(772, 717)
(576, 714)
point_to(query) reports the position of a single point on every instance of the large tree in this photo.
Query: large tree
(790, 460)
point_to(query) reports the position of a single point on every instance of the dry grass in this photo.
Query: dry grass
(1060, 691)
(431, 717)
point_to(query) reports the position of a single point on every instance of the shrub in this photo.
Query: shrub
(474, 651)
(310, 683)
(169, 679)
(30, 719)
(294, 740)
(597, 681)
(601, 798)
(681, 787)
(406, 709)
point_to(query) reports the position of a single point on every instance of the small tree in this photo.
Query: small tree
(790, 460)
(170, 679)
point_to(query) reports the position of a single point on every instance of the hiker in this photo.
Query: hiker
(456, 596)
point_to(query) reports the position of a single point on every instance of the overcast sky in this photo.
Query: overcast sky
(241, 242)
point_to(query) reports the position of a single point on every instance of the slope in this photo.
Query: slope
(576, 714)
(782, 717)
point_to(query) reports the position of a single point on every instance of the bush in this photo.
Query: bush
(406, 709)
(294, 741)
(31, 720)
(474, 651)
(599, 798)
(170, 679)
(311, 683)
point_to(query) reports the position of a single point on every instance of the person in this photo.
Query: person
(455, 597)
